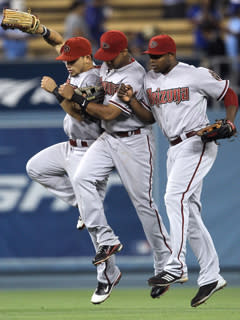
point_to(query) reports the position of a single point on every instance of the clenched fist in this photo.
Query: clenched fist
(48, 84)
(66, 90)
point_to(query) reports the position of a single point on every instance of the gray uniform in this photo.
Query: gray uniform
(178, 101)
(127, 145)
(56, 174)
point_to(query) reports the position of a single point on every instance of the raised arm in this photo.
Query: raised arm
(29, 23)
(52, 37)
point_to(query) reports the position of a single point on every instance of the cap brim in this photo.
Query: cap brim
(154, 53)
(104, 55)
(63, 57)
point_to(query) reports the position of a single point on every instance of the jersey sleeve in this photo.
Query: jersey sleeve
(210, 84)
(91, 80)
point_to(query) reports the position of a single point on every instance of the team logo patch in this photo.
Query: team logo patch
(105, 45)
(215, 75)
(153, 44)
(66, 48)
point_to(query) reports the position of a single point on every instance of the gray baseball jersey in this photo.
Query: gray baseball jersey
(85, 130)
(111, 79)
(127, 145)
(56, 174)
(178, 101)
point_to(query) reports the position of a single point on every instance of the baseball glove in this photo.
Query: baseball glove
(221, 129)
(92, 94)
(24, 21)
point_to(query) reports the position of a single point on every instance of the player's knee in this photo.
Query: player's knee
(175, 199)
(78, 178)
(31, 171)
(170, 198)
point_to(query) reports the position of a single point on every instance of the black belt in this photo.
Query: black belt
(75, 144)
(179, 139)
(123, 134)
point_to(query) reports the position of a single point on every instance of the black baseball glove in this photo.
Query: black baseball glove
(92, 93)
(221, 129)
(83, 96)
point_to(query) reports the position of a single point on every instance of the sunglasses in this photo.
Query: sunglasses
(155, 56)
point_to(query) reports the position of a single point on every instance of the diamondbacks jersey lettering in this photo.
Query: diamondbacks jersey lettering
(167, 96)
(86, 129)
(178, 102)
(133, 74)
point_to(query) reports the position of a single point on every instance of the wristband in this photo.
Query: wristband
(232, 125)
(57, 95)
(45, 33)
(81, 101)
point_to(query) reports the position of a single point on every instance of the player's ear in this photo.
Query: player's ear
(88, 58)
(124, 51)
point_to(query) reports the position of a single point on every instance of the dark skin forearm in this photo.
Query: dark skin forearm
(72, 109)
(231, 112)
(100, 111)
(141, 112)
(125, 93)
(103, 112)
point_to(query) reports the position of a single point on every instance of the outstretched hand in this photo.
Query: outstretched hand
(125, 92)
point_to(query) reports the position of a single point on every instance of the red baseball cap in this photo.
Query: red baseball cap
(161, 44)
(112, 43)
(75, 48)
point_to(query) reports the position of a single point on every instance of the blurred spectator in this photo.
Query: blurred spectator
(215, 47)
(174, 9)
(14, 42)
(206, 13)
(75, 22)
(232, 37)
(4, 4)
(233, 6)
(136, 45)
(96, 15)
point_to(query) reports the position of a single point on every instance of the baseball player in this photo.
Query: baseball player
(57, 173)
(127, 145)
(177, 99)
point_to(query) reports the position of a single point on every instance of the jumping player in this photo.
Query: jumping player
(127, 145)
(57, 173)
(176, 96)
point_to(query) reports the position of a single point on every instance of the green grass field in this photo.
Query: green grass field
(124, 304)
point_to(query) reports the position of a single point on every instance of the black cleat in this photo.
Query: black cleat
(163, 279)
(156, 292)
(206, 291)
(104, 290)
(105, 252)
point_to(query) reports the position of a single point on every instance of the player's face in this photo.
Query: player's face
(161, 63)
(119, 61)
(76, 66)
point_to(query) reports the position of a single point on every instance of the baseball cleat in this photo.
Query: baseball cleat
(206, 291)
(104, 290)
(156, 292)
(183, 279)
(105, 252)
(80, 223)
(163, 279)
